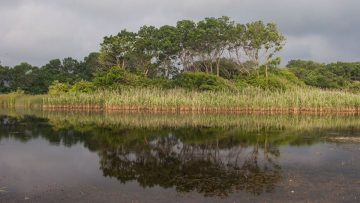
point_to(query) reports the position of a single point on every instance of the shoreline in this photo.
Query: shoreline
(144, 109)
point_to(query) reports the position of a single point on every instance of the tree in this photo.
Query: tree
(186, 56)
(193, 46)
(263, 42)
(169, 48)
(90, 66)
(117, 50)
(4, 79)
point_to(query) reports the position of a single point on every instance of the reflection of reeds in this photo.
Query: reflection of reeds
(251, 121)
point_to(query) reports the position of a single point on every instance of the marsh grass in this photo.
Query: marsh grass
(180, 100)
(248, 99)
(19, 100)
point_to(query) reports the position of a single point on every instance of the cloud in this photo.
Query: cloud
(38, 30)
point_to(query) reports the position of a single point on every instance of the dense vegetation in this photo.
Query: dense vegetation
(35, 80)
(338, 75)
(214, 49)
(236, 62)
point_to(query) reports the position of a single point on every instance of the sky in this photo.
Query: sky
(37, 31)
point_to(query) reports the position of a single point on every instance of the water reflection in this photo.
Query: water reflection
(208, 168)
(191, 156)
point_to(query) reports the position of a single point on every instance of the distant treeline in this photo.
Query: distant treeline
(36, 80)
(212, 54)
(333, 75)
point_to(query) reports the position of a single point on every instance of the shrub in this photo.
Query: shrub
(161, 83)
(278, 79)
(354, 87)
(201, 81)
(117, 77)
(83, 86)
(288, 76)
(273, 83)
(58, 88)
(270, 83)
(331, 76)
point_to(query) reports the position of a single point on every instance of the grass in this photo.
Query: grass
(19, 100)
(179, 100)
(249, 99)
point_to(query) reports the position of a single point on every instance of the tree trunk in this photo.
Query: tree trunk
(266, 70)
(218, 68)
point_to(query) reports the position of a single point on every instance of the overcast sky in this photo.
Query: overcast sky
(39, 30)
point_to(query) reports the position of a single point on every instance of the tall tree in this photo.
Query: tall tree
(263, 42)
(117, 50)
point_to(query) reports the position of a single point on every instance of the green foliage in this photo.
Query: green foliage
(83, 86)
(36, 80)
(216, 46)
(191, 46)
(288, 77)
(278, 79)
(187, 55)
(267, 83)
(334, 75)
(162, 83)
(117, 77)
(201, 81)
(354, 87)
(57, 88)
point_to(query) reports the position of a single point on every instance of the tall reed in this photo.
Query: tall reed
(19, 100)
(181, 100)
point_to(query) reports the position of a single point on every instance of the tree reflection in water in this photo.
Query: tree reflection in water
(211, 169)
(213, 161)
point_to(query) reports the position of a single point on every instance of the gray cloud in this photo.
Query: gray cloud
(39, 30)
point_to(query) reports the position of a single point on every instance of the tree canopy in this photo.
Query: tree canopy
(193, 46)
(36, 80)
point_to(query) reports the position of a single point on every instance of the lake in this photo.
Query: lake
(133, 157)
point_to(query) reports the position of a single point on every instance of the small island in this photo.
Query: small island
(213, 65)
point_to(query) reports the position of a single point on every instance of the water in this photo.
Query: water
(83, 157)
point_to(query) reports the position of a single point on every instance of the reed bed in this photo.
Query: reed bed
(15, 100)
(179, 100)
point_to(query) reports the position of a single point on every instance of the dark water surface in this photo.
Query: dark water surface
(98, 157)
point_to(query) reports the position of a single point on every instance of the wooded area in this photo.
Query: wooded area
(212, 54)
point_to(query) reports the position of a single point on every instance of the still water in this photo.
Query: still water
(103, 157)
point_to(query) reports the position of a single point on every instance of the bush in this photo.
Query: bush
(83, 86)
(288, 77)
(270, 83)
(331, 76)
(201, 81)
(58, 88)
(278, 79)
(161, 83)
(354, 87)
(117, 77)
